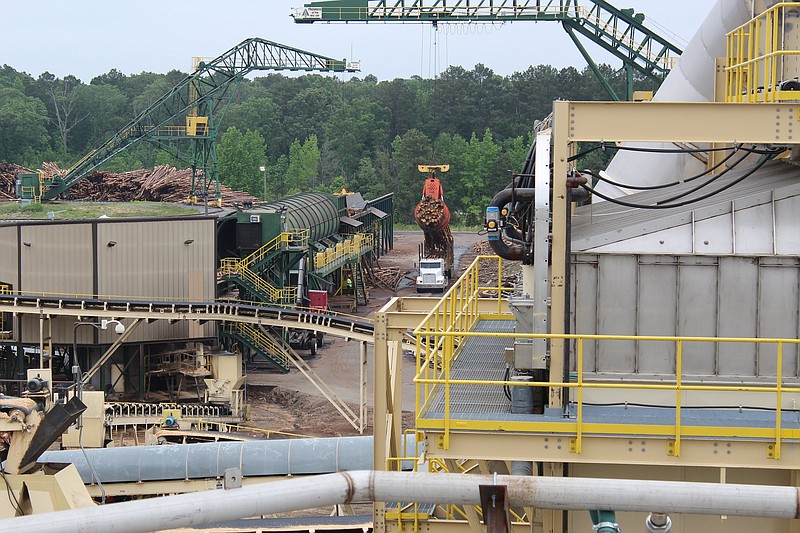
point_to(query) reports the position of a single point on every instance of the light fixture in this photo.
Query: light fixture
(111, 244)
(188, 241)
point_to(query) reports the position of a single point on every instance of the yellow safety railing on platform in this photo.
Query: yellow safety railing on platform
(265, 342)
(234, 267)
(448, 327)
(348, 250)
(757, 66)
(241, 267)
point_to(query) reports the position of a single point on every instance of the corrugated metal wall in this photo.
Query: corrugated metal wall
(8, 255)
(173, 259)
(673, 295)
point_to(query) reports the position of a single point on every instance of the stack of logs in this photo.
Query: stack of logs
(161, 184)
(386, 277)
(488, 269)
(8, 178)
(429, 212)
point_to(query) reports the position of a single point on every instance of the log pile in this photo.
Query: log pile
(160, 184)
(488, 269)
(8, 178)
(386, 277)
(429, 212)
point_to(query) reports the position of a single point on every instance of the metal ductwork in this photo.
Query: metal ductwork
(692, 80)
(516, 250)
(196, 509)
(203, 461)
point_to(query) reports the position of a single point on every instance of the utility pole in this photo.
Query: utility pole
(264, 170)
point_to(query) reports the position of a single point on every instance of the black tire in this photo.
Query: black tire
(313, 347)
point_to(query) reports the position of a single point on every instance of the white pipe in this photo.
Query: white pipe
(692, 80)
(192, 510)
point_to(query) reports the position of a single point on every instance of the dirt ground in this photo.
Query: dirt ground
(291, 403)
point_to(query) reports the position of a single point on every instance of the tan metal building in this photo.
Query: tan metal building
(153, 259)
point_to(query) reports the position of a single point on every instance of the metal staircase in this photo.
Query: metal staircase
(246, 272)
(278, 352)
(619, 31)
(260, 343)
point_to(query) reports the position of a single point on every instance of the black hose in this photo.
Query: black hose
(687, 202)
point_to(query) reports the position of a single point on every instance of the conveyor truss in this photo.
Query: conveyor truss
(621, 32)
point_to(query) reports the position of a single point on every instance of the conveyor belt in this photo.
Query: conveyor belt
(329, 323)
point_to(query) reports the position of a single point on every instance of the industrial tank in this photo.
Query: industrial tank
(314, 211)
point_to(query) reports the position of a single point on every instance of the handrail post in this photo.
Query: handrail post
(776, 451)
(579, 415)
(676, 450)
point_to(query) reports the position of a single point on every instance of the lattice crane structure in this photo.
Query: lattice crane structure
(619, 31)
(185, 120)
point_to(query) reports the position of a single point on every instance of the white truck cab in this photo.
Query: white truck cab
(432, 275)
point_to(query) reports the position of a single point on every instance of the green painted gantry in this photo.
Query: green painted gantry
(185, 120)
(619, 31)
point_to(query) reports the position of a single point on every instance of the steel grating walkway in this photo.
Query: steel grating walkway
(481, 358)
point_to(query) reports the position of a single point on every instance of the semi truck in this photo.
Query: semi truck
(433, 217)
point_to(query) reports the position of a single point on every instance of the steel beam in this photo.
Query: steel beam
(689, 122)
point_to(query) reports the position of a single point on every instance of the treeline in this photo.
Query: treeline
(314, 132)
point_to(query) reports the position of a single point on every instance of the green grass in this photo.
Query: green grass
(414, 227)
(12, 210)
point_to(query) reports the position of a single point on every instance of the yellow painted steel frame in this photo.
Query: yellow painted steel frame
(755, 57)
(348, 250)
(573, 122)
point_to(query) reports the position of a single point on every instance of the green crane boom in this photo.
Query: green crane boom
(619, 31)
(190, 112)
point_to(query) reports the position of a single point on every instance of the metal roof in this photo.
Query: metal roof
(756, 216)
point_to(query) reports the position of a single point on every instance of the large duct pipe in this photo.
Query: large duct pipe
(203, 461)
(193, 510)
(692, 80)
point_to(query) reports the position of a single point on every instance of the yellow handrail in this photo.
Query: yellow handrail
(756, 64)
(350, 249)
(447, 327)
(266, 342)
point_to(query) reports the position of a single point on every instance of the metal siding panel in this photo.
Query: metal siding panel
(777, 317)
(150, 260)
(58, 260)
(738, 301)
(754, 230)
(786, 235)
(656, 314)
(584, 284)
(616, 308)
(713, 235)
(9, 255)
(697, 313)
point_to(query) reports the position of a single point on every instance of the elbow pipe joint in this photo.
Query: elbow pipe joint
(513, 252)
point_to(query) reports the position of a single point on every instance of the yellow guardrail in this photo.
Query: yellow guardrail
(348, 250)
(241, 267)
(234, 267)
(756, 64)
(448, 327)
(265, 342)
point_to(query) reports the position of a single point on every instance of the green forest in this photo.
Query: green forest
(316, 132)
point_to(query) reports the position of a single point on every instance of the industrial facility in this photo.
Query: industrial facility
(642, 374)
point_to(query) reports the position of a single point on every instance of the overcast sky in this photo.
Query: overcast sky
(86, 38)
